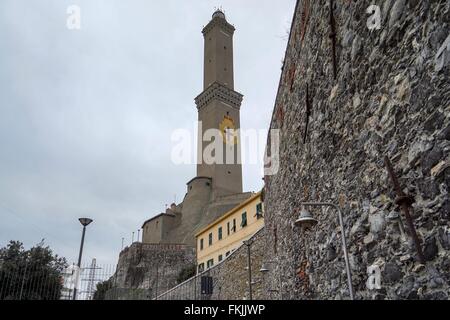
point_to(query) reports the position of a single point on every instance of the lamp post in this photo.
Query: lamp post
(248, 243)
(156, 287)
(265, 269)
(306, 220)
(84, 222)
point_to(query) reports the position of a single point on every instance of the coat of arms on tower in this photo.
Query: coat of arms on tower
(228, 130)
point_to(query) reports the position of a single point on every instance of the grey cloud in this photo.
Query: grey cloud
(86, 116)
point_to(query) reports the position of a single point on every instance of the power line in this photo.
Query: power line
(37, 228)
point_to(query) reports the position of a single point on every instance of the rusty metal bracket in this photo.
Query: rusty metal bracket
(308, 113)
(333, 38)
(304, 21)
(292, 71)
(280, 115)
(405, 203)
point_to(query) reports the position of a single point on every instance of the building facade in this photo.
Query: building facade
(219, 239)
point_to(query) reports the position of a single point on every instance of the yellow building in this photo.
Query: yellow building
(219, 239)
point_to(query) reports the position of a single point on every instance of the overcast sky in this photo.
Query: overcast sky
(86, 116)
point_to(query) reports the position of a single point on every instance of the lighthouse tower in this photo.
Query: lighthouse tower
(219, 108)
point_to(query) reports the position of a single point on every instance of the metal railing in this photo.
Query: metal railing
(42, 282)
(30, 283)
(191, 288)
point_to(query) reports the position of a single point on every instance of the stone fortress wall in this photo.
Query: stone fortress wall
(229, 277)
(390, 98)
(149, 269)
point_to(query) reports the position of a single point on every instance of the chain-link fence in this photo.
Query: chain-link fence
(30, 283)
(90, 282)
(42, 281)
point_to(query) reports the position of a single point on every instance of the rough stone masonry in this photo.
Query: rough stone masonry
(389, 98)
(229, 277)
(146, 270)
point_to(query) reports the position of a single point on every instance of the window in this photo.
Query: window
(210, 239)
(244, 220)
(234, 225)
(220, 257)
(227, 254)
(259, 211)
(228, 228)
(220, 233)
(210, 263)
(201, 244)
(201, 267)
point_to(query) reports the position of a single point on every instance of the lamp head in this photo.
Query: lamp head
(305, 219)
(264, 269)
(219, 13)
(85, 221)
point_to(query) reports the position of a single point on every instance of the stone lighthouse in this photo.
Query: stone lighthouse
(219, 156)
(217, 186)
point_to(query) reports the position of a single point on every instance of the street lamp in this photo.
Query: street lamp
(265, 269)
(84, 222)
(248, 243)
(306, 220)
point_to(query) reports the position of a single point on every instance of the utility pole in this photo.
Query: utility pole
(248, 243)
(84, 222)
(156, 287)
(91, 280)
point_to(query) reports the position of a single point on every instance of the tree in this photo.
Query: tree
(186, 273)
(34, 274)
(102, 288)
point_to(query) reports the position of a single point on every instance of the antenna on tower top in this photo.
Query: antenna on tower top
(219, 9)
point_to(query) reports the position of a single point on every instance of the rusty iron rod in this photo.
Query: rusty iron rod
(333, 38)
(308, 110)
(405, 203)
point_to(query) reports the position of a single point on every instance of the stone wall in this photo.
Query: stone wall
(151, 268)
(387, 99)
(230, 277)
